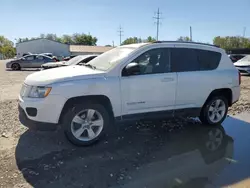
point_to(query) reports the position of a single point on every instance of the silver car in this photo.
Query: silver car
(29, 61)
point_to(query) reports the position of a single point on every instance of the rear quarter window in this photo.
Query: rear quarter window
(208, 60)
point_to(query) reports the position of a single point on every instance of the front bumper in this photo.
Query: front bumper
(48, 108)
(245, 70)
(34, 125)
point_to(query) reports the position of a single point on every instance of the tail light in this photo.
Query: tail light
(239, 77)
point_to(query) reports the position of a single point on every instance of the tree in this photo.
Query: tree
(184, 39)
(83, 39)
(6, 48)
(150, 39)
(230, 42)
(108, 45)
(67, 39)
(132, 40)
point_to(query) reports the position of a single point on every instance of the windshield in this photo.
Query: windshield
(110, 58)
(246, 58)
(74, 60)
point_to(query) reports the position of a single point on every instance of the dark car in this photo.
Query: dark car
(235, 57)
(29, 61)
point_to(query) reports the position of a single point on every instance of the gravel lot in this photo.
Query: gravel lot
(21, 148)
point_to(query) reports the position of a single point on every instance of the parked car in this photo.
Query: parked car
(29, 61)
(68, 58)
(236, 57)
(47, 54)
(132, 82)
(243, 65)
(80, 59)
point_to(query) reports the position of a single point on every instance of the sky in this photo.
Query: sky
(102, 18)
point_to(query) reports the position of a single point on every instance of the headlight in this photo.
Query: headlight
(39, 92)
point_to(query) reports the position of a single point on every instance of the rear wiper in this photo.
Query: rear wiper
(91, 66)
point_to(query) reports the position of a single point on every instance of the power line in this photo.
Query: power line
(120, 31)
(157, 17)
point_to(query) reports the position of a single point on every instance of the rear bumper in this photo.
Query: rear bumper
(35, 125)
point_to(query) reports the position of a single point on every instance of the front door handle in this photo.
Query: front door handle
(167, 79)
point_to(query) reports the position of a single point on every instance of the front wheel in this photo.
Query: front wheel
(214, 111)
(15, 66)
(84, 124)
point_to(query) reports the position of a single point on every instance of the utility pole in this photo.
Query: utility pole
(120, 31)
(157, 17)
(190, 33)
(244, 32)
(113, 43)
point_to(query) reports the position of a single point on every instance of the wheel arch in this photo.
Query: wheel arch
(226, 92)
(100, 99)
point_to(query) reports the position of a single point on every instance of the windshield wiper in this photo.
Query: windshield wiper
(91, 66)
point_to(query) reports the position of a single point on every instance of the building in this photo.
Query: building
(42, 45)
(85, 50)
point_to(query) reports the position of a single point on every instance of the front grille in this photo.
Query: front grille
(243, 71)
(242, 66)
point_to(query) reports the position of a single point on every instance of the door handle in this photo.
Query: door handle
(167, 80)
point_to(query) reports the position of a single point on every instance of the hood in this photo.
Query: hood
(62, 74)
(53, 64)
(242, 63)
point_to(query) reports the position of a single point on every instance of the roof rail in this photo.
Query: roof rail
(188, 42)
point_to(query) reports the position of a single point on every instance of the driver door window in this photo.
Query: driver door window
(154, 61)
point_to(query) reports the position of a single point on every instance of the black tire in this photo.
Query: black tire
(15, 66)
(73, 111)
(204, 116)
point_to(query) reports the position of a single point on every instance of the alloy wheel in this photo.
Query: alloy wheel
(87, 125)
(216, 110)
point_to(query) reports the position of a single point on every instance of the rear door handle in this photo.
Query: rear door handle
(167, 80)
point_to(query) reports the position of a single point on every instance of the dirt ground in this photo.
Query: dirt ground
(46, 159)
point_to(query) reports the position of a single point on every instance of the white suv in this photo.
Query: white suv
(132, 82)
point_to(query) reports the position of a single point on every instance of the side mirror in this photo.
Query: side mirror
(133, 69)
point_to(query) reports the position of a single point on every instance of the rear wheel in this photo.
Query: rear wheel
(214, 111)
(15, 66)
(84, 124)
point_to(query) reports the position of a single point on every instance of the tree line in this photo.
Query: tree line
(7, 49)
(75, 39)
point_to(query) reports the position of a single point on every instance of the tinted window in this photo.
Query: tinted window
(184, 59)
(153, 62)
(29, 57)
(87, 59)
(40, 57)
(209, 60)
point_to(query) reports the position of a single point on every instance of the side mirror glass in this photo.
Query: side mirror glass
(133, 69)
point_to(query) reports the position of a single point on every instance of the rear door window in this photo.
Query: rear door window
(184, 60)
(40, 57)
(30, 58)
